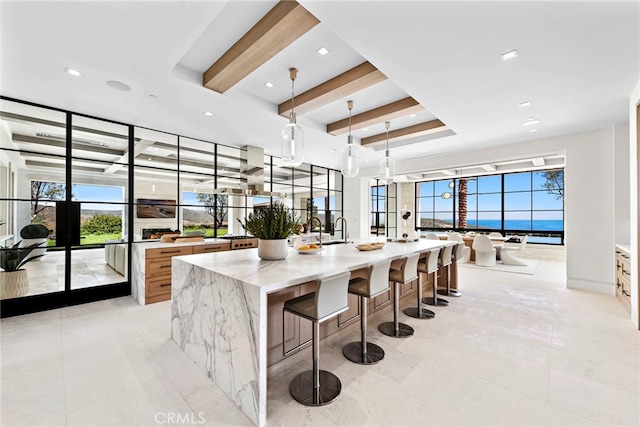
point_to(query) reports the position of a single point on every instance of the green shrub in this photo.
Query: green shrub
(102, 224)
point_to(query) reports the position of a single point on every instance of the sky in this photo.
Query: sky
(517, 197)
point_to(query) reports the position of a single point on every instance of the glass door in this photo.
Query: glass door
(96, 215)
(63, 208)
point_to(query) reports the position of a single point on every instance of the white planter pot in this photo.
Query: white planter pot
(13, 284)
(273, 249)
(42, 249)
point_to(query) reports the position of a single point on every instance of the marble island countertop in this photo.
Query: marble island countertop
(152, 244)
(270, 276)
(219, 308)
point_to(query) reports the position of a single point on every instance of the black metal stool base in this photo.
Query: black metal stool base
(451, 293)
(353, 352)
(438, 301)
(301, 388)
(419, 314)
(388, 328)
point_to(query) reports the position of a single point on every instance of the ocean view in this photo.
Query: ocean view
(520, 224)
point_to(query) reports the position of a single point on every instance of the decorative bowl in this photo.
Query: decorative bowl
(370, 246)
(307, 250)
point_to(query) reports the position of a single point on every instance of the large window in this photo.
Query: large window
(88, 190)
(529, 202)
(378, 209)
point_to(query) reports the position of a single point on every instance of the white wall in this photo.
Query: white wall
(621, 167)
(356, 206)
(589, 201)
(634, 100)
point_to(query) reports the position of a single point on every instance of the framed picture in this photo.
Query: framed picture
(154, 208)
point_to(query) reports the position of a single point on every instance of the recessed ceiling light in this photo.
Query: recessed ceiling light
(333, 150)
(412, 115)
(322, 50)
(73, 72)
(531, 121)
(365, 129)
(268, 84)
(533, 130)
(509, 55)
(114, 84)
(208, 113)
(525, 104)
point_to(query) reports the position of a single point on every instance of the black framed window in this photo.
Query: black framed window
(530, 202)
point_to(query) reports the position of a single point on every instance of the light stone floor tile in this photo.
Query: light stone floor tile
(606, 405)
(514, 350)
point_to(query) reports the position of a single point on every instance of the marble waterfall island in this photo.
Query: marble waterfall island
(219, 310)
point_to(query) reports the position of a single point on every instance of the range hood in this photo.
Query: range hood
(251, 176)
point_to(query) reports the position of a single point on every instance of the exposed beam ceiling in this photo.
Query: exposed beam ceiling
(420, 129)
(62, 144)
(387, 112)
(345, 84)
(280, 27)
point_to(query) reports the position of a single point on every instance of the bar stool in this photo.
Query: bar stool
(457, 255)
(407, 273)
(317, 387)
(426, 265)
(444, 261)
(376, 282)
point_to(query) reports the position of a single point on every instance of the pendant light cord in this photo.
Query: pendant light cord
(293, 72)
(387, 126)
(350, 106)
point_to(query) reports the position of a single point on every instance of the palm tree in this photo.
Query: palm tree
(462, 203)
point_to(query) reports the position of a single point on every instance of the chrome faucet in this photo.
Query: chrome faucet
(346, 233)
(320, 224)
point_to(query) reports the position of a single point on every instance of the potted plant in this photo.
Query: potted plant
(14, 281)
(272, 226)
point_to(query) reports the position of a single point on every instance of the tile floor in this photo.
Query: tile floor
(88, 268)
(515, 350)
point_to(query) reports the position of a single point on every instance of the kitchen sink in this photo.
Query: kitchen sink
(334, 242)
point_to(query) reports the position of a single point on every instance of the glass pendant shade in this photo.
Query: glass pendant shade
(292, 144)
(350, 154)
(387, 169)
(350, 160)
(292, 136)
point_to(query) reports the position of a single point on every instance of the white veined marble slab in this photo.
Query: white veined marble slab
(219, 309)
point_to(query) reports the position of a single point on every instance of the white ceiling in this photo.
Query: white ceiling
(577, 64)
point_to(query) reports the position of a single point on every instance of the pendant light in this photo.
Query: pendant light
(292, 136)
(452, 184)
(350, 153)
(387, 165)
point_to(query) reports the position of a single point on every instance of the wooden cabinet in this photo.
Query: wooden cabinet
(213, 247)
(623, 277)
(157, 268)
(296, 330)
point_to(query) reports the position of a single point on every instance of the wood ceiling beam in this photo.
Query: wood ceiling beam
(400, 108)
(345, 84)
(280, 27)
(405, 133)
